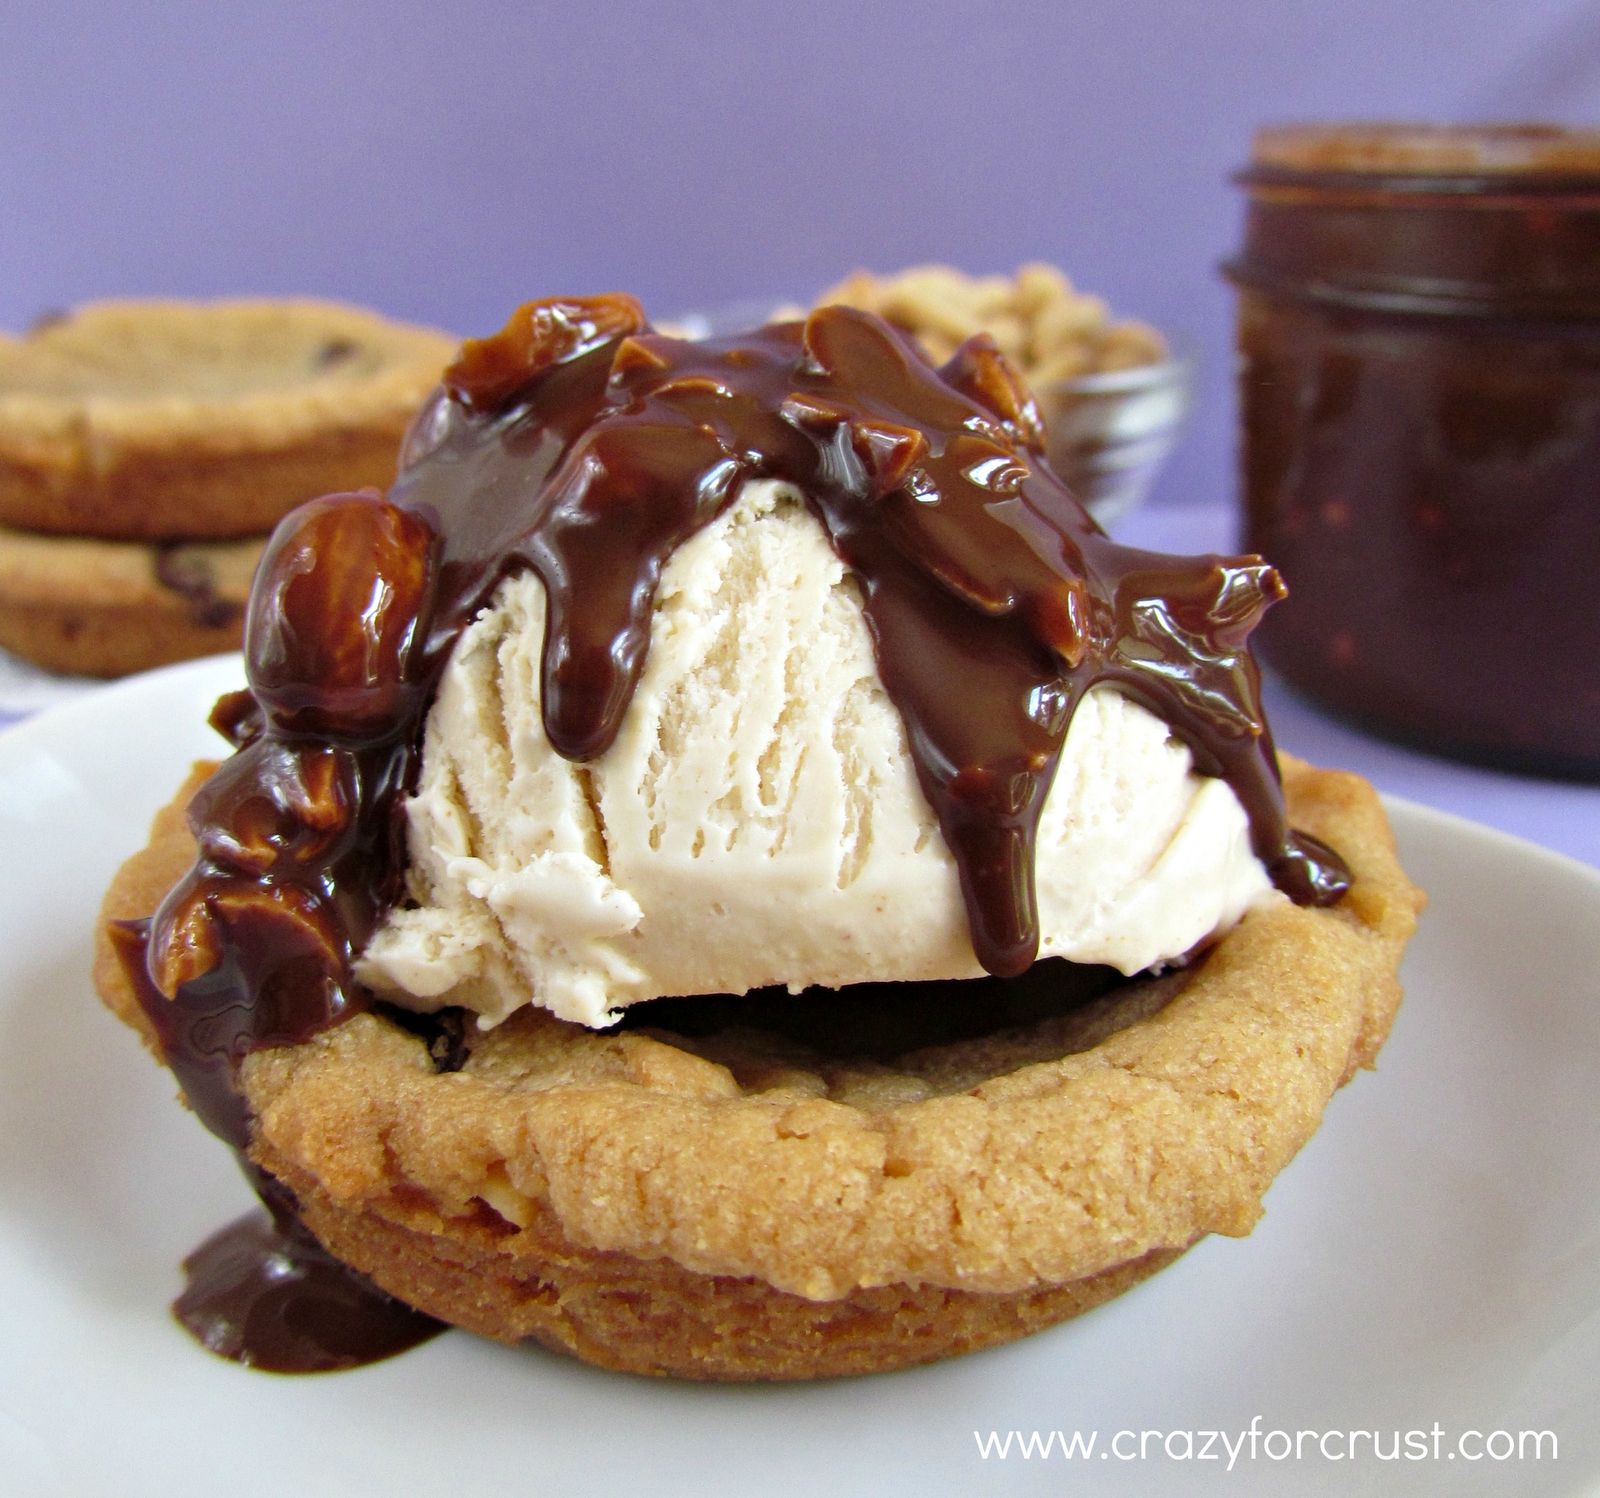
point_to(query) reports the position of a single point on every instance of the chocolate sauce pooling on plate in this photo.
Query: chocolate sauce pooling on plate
(263, 1291)
(581, 444)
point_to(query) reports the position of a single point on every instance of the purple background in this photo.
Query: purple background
(443, 163)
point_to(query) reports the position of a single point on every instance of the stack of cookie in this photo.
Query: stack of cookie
(147, 449)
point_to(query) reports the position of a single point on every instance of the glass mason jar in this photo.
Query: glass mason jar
(1419, 382)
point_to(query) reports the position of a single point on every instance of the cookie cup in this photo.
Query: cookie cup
(737, 1208)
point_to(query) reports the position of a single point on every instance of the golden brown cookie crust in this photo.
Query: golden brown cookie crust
(108, 608)
(595, 1190)
(652, 1316)
(153, 420)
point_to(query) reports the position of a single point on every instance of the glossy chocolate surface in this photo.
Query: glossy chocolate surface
(1420, 409)
(262, 1291)
(580, 444)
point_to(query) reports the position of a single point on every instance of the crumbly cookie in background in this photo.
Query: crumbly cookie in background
(1050, 331)
(147, 447)
(87, 607)
(195, 420)
(736, 1207)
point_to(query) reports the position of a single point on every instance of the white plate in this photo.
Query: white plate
(1433, 1257)
(26, 688)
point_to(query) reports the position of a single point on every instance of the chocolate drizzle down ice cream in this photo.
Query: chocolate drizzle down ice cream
(581, 445)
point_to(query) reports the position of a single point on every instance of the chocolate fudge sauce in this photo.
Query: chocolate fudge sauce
(579, 443)
(1419, 391)
(264, 1292)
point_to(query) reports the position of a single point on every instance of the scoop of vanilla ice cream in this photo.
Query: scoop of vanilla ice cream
(758, 819)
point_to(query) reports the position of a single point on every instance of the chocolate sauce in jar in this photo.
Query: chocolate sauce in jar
(1419, 339)
(579, 443)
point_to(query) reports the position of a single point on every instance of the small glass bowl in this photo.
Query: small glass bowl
(1108, 434)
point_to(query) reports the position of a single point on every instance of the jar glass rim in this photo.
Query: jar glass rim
(1368, 150)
